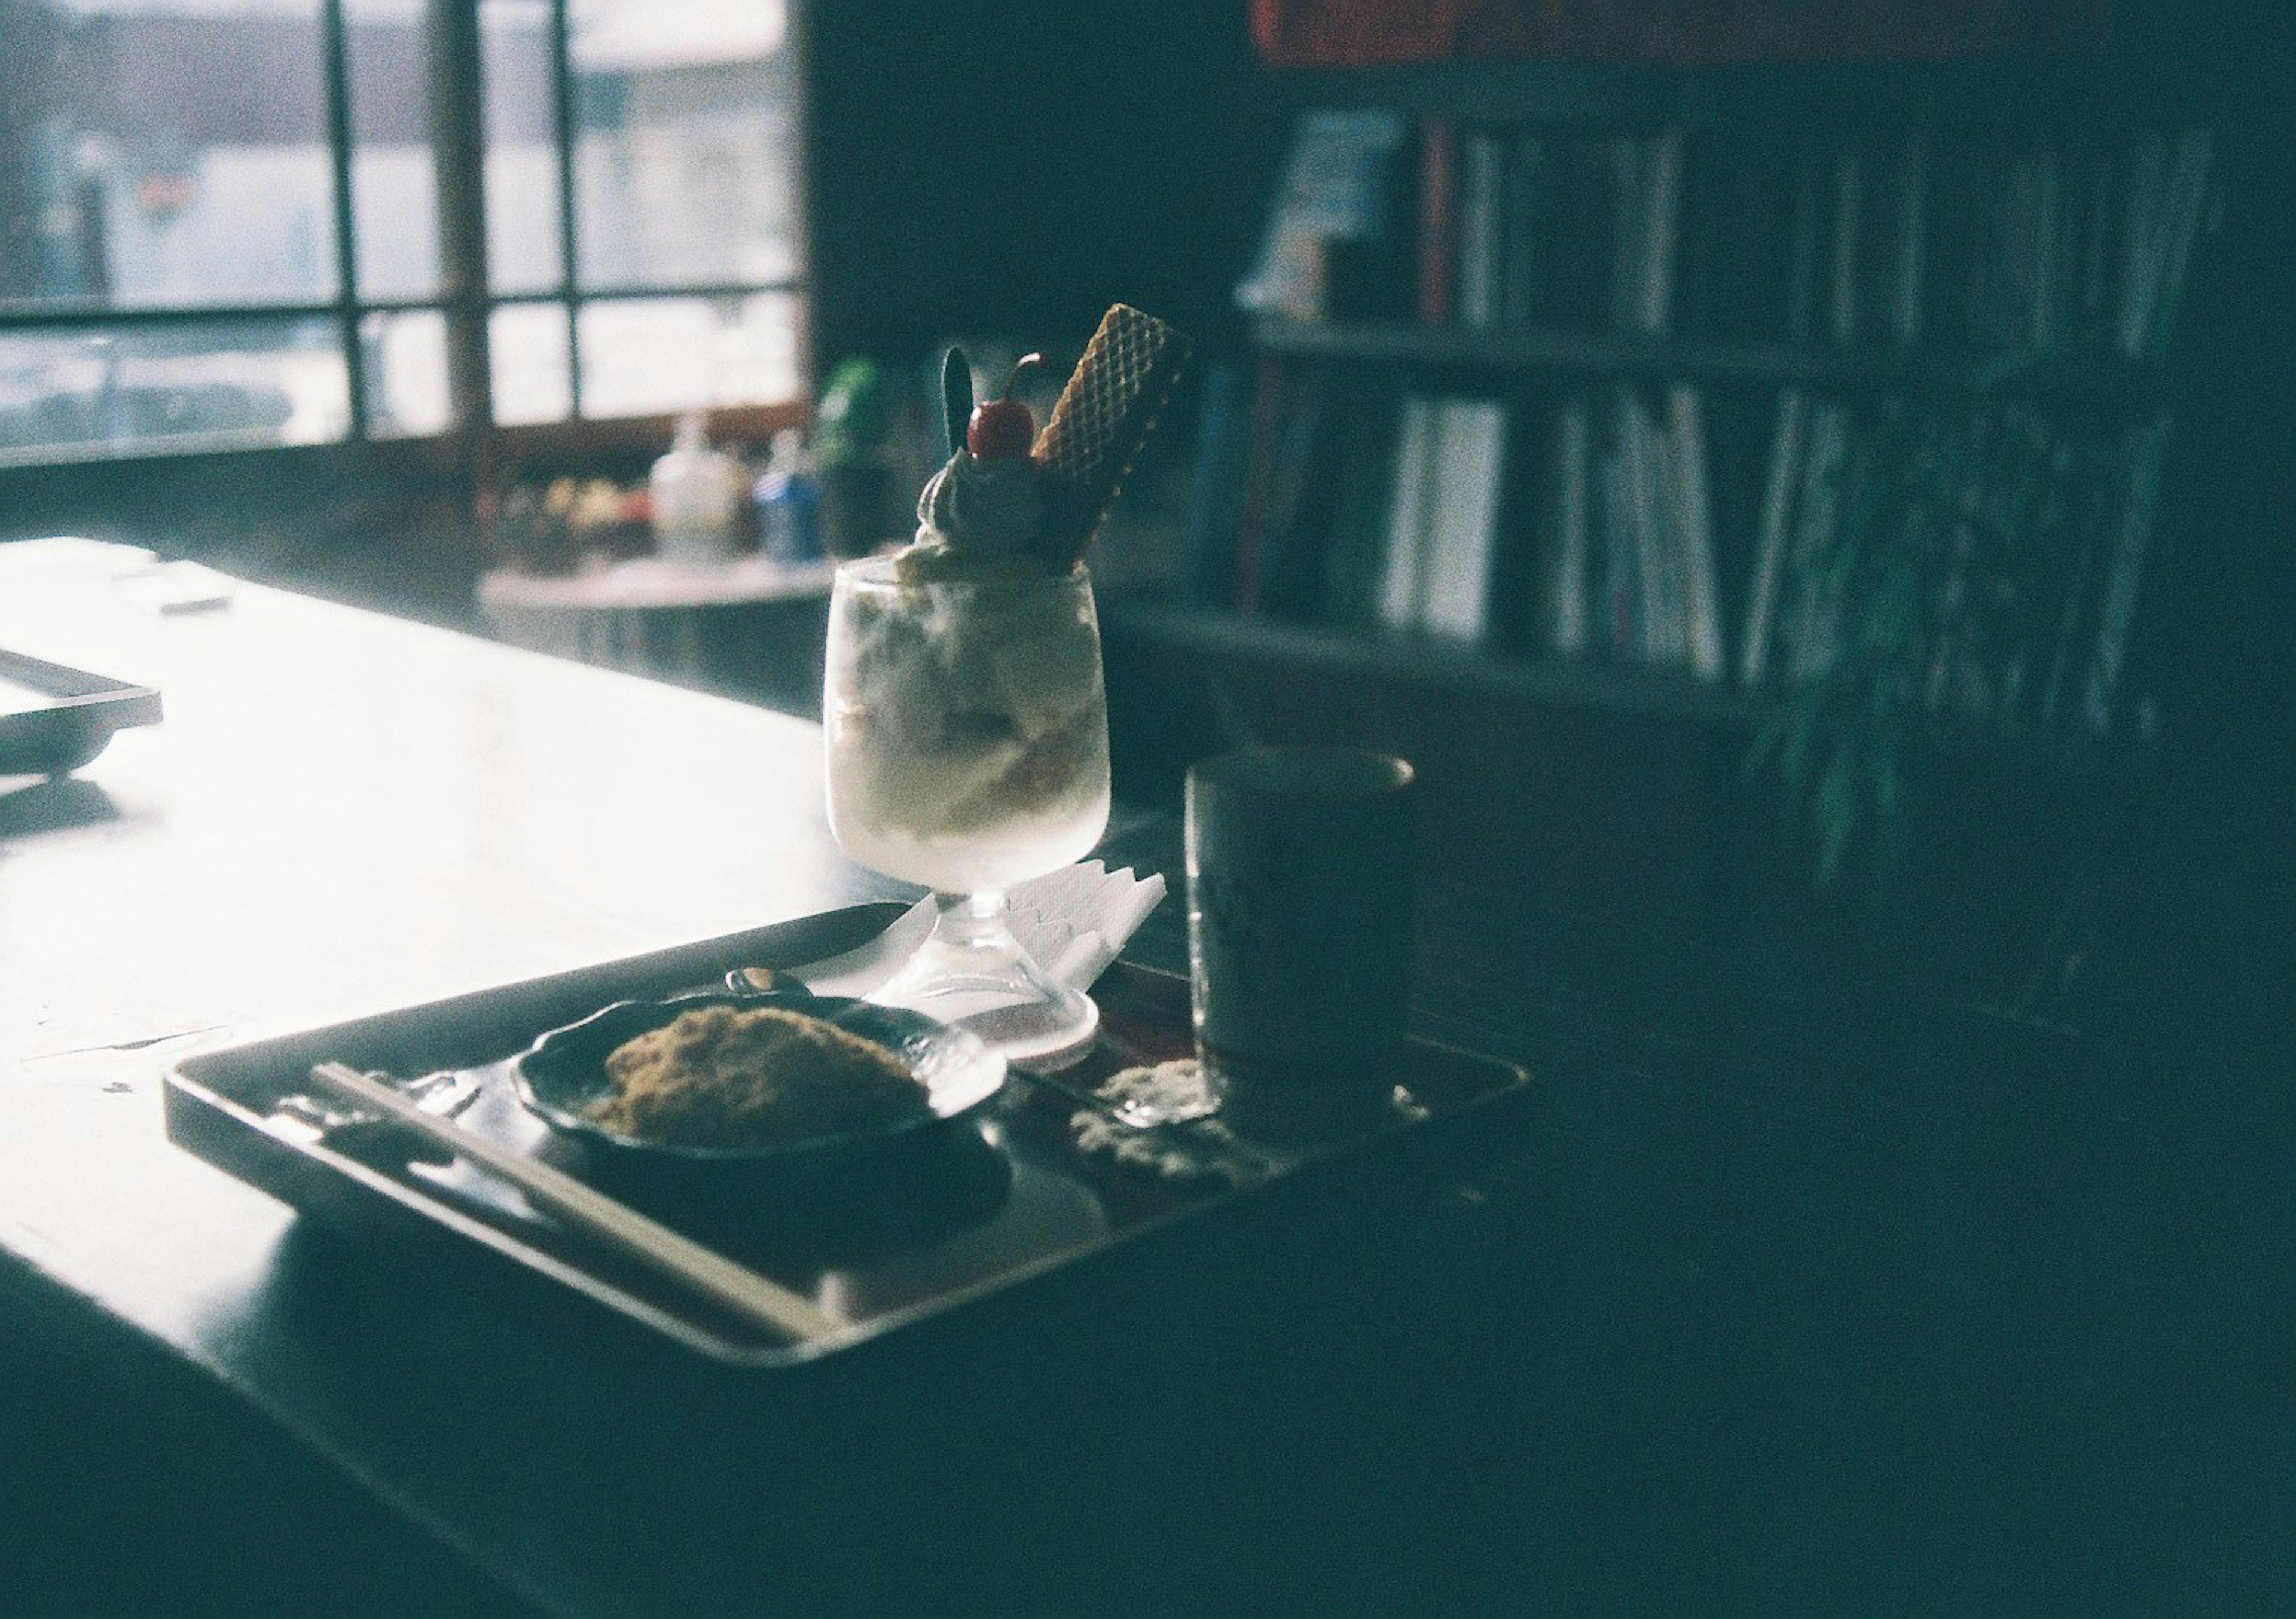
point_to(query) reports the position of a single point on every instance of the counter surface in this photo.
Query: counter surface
(1744, 1312)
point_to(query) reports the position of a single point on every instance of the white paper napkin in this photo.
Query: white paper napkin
(1073, 921)
(1076, 919)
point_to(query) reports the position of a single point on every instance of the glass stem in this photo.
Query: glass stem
(973, 921)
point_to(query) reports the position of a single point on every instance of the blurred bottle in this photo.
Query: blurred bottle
(789, 501)
(695, 492)
(851, 466)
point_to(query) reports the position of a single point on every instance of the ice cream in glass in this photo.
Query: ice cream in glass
(966, 720)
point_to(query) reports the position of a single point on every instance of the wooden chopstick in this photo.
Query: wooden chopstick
(736, 1287)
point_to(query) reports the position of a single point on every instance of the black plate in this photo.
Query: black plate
(564, 1072)
(73, 719)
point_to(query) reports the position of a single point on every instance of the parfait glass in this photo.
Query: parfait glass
(968, 751)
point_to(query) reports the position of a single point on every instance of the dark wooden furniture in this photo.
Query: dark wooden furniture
(1746, 1311)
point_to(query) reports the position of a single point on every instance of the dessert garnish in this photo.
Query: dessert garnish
(1003, 505)
(982, 515)
(955, 396)
(744, 1079)
(1003, 429)
(1100, 421)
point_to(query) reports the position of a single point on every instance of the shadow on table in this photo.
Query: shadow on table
(51, 803)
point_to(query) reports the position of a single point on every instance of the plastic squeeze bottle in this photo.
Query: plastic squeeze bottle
(696, 493)
(789, 501)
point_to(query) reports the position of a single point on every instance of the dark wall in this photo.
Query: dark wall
(1012, 167)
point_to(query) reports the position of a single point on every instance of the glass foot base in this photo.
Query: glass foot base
(1039, 1034)
(990, 987)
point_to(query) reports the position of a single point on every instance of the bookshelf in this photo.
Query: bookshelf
(1811, 278)
(1695, 347)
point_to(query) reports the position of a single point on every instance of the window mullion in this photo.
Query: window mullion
(562, 72)
(459, 147)
(336, 50)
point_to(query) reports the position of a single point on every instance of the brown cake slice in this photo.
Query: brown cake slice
(1100, 421)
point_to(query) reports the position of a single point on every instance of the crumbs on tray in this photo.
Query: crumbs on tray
(1204, 1147)
(736, 1078)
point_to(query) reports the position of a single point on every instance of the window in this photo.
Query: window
(231, 223)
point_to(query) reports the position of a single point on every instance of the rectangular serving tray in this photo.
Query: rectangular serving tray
(1009, 1193)
(69, 717)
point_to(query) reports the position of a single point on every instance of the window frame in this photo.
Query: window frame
(472, 443)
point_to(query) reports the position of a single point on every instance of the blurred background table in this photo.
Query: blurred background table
(751, 629)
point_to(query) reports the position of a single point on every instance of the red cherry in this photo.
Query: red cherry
(1000, 429)
(1003, 429)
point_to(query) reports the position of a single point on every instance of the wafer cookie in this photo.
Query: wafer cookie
(1100, 420)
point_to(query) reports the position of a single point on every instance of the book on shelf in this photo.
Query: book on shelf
(1693, 530)
(1810, 216)
(1333, 224)
(1570, 630)
(1657, 519)
(1680, 529)
(1523, 577)
(2132, 535)
(2173, 192)
(1646, 178)
(1620, 618)
(1778, 521)
(1661, 208)
(1660, 635)
(1411, 514)
(1531, 239)
(1288, 581)
(1900, 274)
(2013, 307)
(1215, 509)
(1438, 220)
(1363, 500)
(2062, 245)
(1809, 611)
(1522, 526)
(1481, 228)
(2090, 514)
(2046, 251)
(1450, 462)
(2141, 234)
(1275, 400)
(1848, 216)
(1455, 575)
(1579, 293)
(1880, 242)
